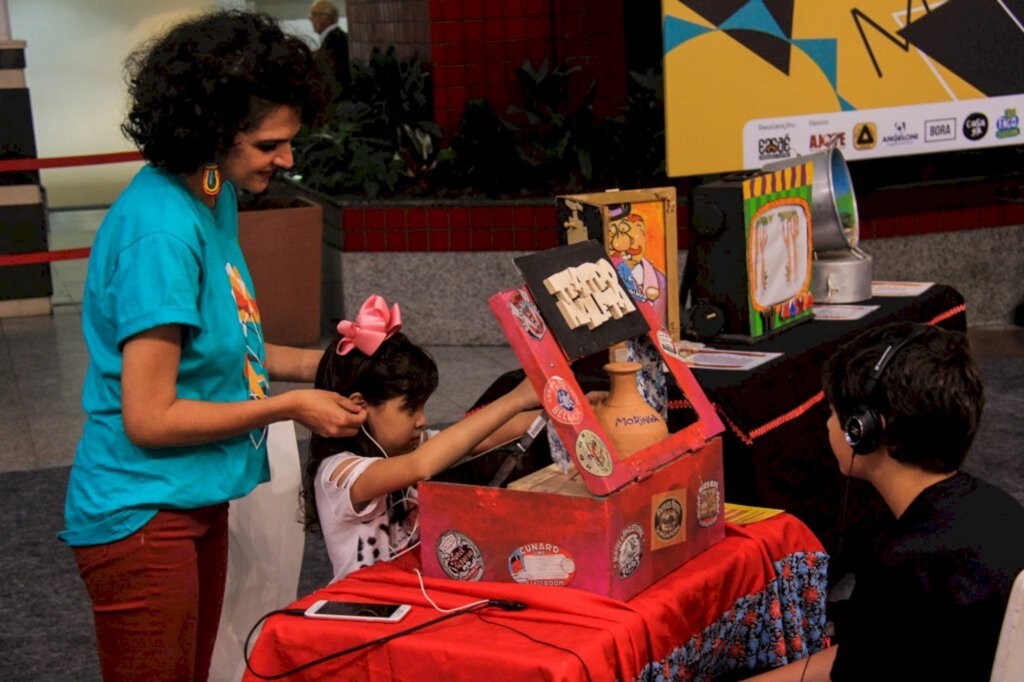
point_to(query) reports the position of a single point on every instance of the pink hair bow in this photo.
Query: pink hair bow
(373, 326)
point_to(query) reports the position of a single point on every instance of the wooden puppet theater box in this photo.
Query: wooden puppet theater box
(612, 526)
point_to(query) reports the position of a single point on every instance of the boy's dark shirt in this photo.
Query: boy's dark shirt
(929, 603)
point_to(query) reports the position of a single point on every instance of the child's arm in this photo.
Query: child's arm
(509, 431)
(443, 450)
(517, 425)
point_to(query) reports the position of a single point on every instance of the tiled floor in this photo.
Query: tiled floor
(43, 362)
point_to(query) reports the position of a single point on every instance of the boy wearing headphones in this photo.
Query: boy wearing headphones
(928, 603)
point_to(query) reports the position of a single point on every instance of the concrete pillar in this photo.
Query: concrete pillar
(24, 289)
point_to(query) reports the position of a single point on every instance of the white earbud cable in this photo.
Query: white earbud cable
(426, 596)
(405, 546)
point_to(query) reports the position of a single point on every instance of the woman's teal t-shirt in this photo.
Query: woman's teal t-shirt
(161, 257)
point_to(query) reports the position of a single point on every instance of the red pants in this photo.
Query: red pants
(156, 595)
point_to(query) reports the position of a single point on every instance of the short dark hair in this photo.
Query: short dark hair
(398, 368)
(930, 395)
(193, 89)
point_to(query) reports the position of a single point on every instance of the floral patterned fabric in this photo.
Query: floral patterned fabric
(782, 623)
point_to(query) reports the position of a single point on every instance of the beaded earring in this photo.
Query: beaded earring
(211, 180)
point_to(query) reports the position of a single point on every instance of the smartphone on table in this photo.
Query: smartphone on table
(350, 610)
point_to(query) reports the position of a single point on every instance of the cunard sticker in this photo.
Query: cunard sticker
(459, 556)
(667, 344)
(541, 563)
(527, 313)
(709, 503)
(562, 402)
(593, 454)
(629, 549)
(668, 518)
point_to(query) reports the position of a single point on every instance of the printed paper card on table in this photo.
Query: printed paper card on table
(899, 289)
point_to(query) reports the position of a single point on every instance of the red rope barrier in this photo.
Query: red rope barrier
(43, 257)
(12, 165)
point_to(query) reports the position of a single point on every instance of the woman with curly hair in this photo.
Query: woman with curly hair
(176, 393)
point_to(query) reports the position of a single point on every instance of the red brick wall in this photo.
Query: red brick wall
(487, 227)
(382, 23)
(878, 223)
(477, 45)
(533, 227)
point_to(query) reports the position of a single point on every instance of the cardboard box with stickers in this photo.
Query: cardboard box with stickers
(603, 522)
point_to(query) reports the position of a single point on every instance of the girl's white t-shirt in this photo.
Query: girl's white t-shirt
(361, 538)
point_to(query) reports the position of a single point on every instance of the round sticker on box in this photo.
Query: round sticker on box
(562, 402)
(668, 518)
(593, 454)
(459, 557)
(527, 314)
(629, 550)
(709, 503)
(541, 563)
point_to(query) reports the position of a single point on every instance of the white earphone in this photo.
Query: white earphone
(408, 544)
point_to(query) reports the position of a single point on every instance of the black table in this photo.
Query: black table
(776, 442)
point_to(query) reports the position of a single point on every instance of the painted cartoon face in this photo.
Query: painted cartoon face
(627, 238)
(396, 425)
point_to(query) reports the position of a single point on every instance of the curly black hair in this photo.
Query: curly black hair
(398, 368)
(193, 89)
(931, 394)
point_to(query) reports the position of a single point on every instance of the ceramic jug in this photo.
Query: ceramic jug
(631, 424)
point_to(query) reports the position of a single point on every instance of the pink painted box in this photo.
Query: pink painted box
(613, 529)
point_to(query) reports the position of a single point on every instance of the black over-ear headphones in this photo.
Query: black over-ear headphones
(864, 428)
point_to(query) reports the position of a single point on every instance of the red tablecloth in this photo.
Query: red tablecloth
(754, 600)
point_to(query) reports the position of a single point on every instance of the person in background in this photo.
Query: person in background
(928, 603)
(333, 51)
(177, 388)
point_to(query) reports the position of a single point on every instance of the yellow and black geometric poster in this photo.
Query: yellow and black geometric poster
(752, 81)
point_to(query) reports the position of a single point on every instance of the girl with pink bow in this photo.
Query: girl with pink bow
(361, 490)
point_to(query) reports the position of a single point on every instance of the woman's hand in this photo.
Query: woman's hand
(595, 398)
(326, 413)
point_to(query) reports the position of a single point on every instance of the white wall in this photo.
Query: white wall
(75, 57)
(5, 32)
